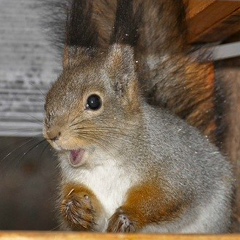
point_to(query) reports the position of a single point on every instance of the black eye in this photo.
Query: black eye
(94, 102)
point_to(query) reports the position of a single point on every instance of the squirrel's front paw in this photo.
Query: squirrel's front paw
(120, 222)
(78, 211)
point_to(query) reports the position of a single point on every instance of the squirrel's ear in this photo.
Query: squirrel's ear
(120, 62)
(120, 67)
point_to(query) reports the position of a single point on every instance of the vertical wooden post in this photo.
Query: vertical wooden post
(229, 73)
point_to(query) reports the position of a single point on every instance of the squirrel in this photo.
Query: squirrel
(126, 164)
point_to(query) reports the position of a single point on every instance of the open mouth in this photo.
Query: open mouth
(76, 157)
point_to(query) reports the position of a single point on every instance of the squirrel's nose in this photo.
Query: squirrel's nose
(53, 134)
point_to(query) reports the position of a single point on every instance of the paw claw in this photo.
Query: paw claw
(86, 197)
(78, 211)
(119, 222)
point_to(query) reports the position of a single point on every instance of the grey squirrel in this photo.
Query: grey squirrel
(127, 165)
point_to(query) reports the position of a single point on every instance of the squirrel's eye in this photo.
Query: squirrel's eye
(94, 102)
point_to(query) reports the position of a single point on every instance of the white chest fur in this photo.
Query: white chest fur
(106, 178)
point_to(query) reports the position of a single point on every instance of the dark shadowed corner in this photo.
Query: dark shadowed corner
(28, 185)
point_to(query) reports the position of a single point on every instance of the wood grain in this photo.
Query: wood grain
(212, 20)
(88, 236)
(197, 6)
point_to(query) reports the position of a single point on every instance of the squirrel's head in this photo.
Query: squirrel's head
(94, 102)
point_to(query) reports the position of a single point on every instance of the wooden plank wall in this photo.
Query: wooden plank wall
(27, 68)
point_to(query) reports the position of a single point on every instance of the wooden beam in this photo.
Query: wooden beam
(212, 20)
(89, 236)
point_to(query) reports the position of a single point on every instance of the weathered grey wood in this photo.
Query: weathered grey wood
(27, 68)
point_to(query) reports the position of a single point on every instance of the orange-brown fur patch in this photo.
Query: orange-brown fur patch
(148, 204)
(203, 116)
(80, 208)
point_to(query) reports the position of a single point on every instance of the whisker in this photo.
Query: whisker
(22, 133)
(73, 124)
(77, 117)
(107, 147)
(100, 130)
(106, 137)
(31, 148)
(14, 155)
(81, 122)
(107, 128)
(25, 129)
(10, 144)
(40, 122)
(57, 227)
(43, 150)
(13, 151)
(43, 95)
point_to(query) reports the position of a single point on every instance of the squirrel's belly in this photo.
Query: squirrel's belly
(110, 184)
(108, 181)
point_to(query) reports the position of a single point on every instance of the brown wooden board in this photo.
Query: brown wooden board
(212, 20)
(89, 236)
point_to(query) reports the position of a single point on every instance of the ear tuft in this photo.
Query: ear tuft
(77, 55)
